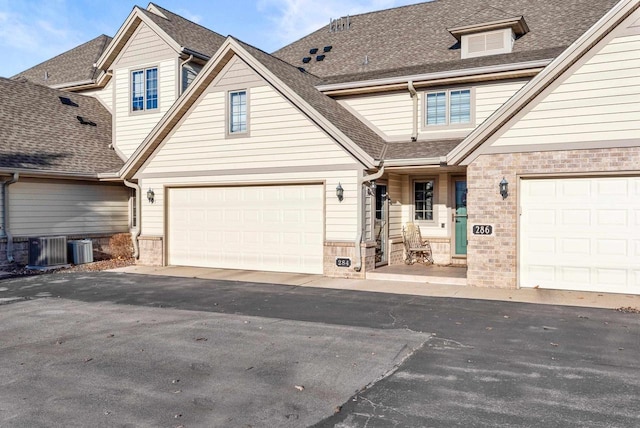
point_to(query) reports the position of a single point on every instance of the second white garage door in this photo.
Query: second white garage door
(270, 228)
(581, 234)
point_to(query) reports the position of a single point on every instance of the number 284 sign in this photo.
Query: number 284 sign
(482, 229)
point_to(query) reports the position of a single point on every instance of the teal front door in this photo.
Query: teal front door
(460, 217)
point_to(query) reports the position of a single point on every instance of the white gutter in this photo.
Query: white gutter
(136, 235)
(5, 216)
(434, 76)
(414, 162)
(71, 84)
(361, 213)
(414, 97)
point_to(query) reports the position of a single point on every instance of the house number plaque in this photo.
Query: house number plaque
(343, 262)
(482, 229)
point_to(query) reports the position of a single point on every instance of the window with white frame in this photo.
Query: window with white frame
(237, 112)
(423, 199)
(452, 107)
(144, 89)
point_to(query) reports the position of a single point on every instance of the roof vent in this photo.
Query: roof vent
(306, 59)
(320, 58)
(67, 101)
(301, 69)
(84, 121)
(340, 24)
(327, 49)
(313, 51)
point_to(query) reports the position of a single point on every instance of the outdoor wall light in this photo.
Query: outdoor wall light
(151, 196)
(340, 192)
(504, 188)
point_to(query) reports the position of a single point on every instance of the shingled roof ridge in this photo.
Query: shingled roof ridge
(106, 41)
(373, 12)
(485, 10)
(168, 12)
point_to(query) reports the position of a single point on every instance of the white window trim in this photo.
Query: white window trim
(237, 134)
(434, 220)
(447, 125)
(144, 86)
(508, 39)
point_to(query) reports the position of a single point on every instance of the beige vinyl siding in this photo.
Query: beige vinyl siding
(341, 217)
(280, 136)
(131, 128)
(144, 49)
(235, 75)
(369, 218)
(490, 97)
(394, 188)
(67, 208)
(599, 102)
(145, 46)
(391, 114)
(105, 95)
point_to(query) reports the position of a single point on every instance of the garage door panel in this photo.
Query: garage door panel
(595, 245)
(276, 228)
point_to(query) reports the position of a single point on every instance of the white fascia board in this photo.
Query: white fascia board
(534, 87)
(452, 74)
(62, 175)
(388, 163)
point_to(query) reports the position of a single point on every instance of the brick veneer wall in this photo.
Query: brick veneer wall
(332, 250)
(151, 251)
(492, 260)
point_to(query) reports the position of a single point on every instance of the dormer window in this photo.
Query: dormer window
(489, 32)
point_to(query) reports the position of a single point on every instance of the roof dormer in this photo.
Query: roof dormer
(489, 32)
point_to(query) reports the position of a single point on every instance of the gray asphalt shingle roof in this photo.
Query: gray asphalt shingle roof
(186, 33)
(416, 36)
(420, 149)
(75, 65)
(38, 132)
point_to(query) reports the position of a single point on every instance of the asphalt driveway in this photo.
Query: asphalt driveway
(109, 349)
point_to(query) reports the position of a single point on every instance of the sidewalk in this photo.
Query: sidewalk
(538, 296)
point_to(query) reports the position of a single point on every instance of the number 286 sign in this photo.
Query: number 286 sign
(482, 229)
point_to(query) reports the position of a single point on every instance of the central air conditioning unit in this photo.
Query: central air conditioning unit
(47, 251)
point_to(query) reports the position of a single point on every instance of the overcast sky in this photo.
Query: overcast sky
(32, 31)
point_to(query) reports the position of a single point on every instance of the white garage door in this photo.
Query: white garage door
(271, 228)
(581, 234)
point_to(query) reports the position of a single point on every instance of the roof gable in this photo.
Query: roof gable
(533, 92)
(290, 82)
(182, 35)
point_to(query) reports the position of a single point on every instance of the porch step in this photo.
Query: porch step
(428, 279)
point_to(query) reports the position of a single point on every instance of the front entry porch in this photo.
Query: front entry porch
(431, 274)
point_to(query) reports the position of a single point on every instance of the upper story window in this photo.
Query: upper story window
(452, 107)
(238, 112)
(144, 89)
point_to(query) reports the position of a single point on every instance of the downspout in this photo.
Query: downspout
(136, 235)
(414, 97)
(361, 211)
(5, 214)
(180, 71)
